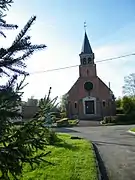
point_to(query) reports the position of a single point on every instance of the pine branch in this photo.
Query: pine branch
(19, 144)
(8, 26)
(21, 72)
(2, 34)
(4, 4)
(24, 30)
(21, 44)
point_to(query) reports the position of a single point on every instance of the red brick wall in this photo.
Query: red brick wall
(100, 91)
(87, 70)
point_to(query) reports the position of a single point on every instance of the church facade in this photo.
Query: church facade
(89, 97)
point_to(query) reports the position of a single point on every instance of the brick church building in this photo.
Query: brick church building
(89, 97)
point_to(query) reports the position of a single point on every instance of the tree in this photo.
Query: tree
(128, 104)
(17, 144)
(129, 85)
(118, 103)
(47, 107)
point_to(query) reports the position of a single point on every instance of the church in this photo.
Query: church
(89, 98)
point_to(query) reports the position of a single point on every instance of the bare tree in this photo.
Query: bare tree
(129, 85)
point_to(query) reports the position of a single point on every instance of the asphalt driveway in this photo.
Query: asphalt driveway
(116, 148)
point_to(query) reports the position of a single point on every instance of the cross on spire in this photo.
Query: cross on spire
(85, 25)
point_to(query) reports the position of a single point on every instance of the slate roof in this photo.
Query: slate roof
(86, 48)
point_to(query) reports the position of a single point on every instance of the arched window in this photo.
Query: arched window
(89, 60)
(104, 104)
(84, 61)
(75, 105)
(81, 61)
(87, 72)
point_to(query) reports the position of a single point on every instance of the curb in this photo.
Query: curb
(131, 132)
(102, 173)
(97, 164)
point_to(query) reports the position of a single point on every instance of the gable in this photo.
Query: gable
(103, 84)
(104, 91)
(74, 85)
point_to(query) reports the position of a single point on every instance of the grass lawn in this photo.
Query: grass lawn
(132, 129)
(73, 160)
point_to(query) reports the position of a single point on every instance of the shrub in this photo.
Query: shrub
(63, 122)
(63, 115)
(56, 119)
(119, 111)
(121, 118)
(51, 137)
(109, 119)
(128, 105)
(57, 114)
(73, 122)
(126, 118)
(131, 117)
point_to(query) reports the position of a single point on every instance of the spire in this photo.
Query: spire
(86, 48)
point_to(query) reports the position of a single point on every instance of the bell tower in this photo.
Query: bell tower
(87, 66)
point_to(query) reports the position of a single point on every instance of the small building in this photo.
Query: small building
(89, 97)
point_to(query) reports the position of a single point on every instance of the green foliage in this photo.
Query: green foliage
(109, 119)
(128, 105)
(63, 115)
(119, 111)
(52, 137)
(12, 58)
(125, 105)
(21, 146)
(73, 122)
(118, 103)
(132, 129)
(126, 118)
(18, 144)
(47, 108)
(63, 122)
(4, 4)
(120, 119)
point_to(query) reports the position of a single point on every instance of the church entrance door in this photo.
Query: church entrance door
(89, 107)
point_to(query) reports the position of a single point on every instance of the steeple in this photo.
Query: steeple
(86, 48)
(86, 55)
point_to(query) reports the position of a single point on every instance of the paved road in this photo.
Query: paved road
(116, 147)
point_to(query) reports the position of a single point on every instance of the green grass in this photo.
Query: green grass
(73, 122)
(73, 160)
(132, 129)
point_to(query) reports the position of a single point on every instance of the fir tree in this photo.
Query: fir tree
(17, 144)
